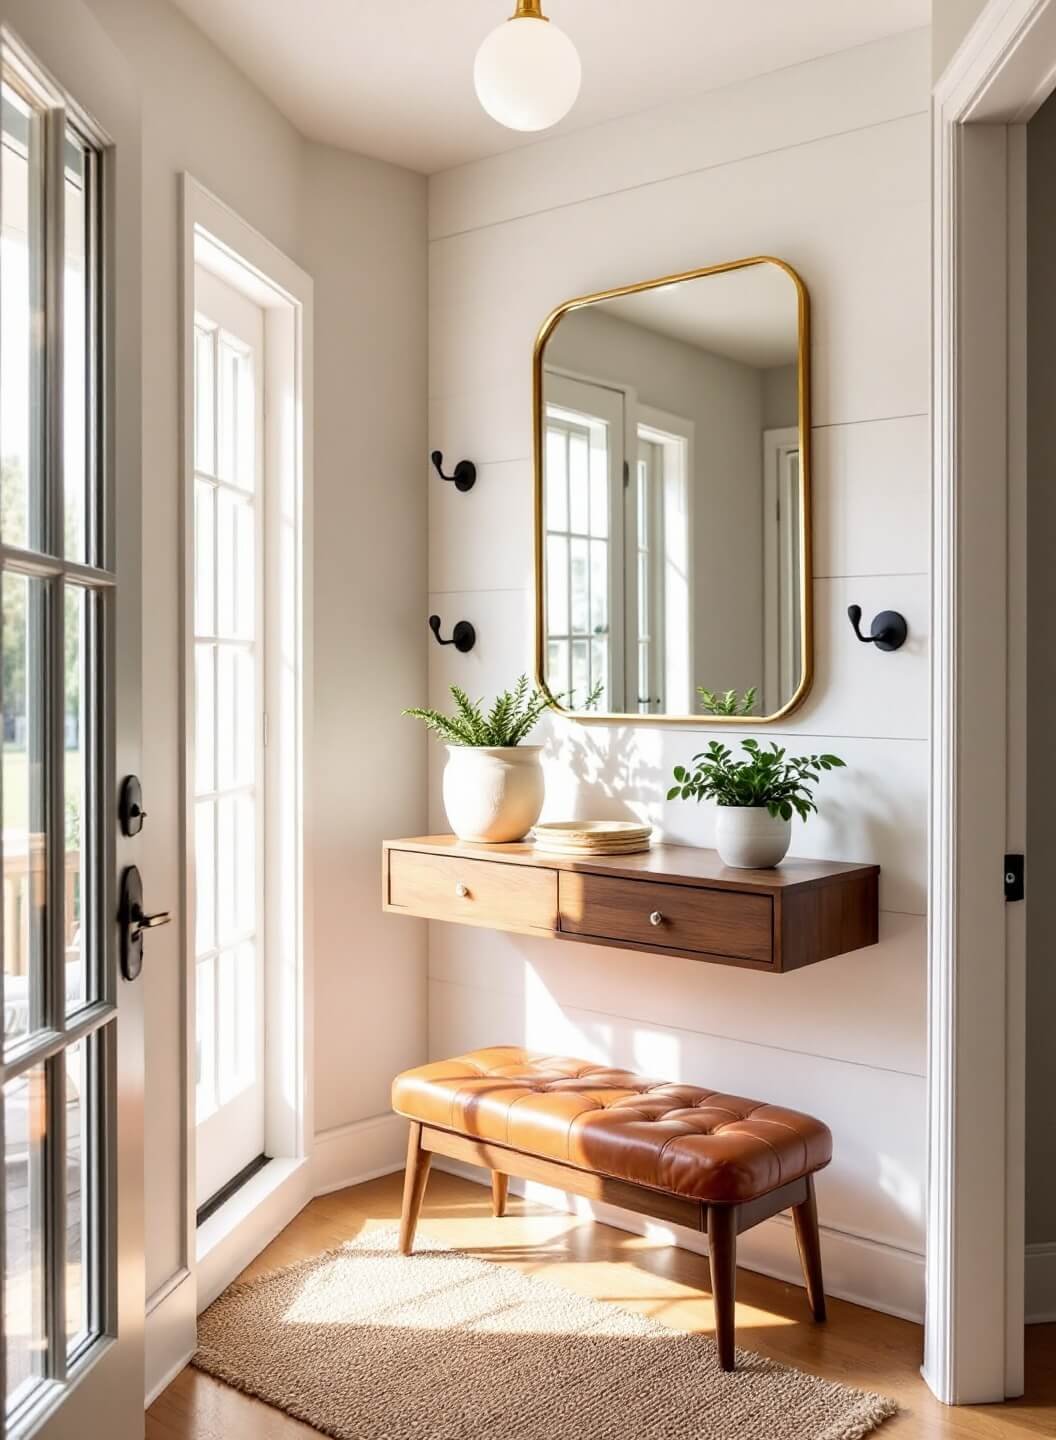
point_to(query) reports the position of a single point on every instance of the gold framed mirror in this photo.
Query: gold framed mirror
(671, 436)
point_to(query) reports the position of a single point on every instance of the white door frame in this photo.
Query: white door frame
(1003, 71)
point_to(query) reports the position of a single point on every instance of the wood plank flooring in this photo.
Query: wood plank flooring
(857, 1346)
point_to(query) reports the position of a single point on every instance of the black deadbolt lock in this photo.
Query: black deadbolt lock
(130, 806)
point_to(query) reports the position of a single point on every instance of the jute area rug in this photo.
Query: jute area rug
(365, 1344)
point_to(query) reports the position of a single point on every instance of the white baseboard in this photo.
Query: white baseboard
(249, 1221)
(867, 1272)
(1041, 1283)
(169, 1333)
(352, 1154)
(167, 1378)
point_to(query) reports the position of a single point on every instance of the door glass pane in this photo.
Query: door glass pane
(204, 559)
(23, 804)
(78, 889)
(205, 1038)
(557, 675)
(556, 479)
(578, 482)
(205, 400)
(80, 1070)
(581, 669)
(75, 358)
(24, 1322)
(235, 566)
(205, 874)
(599, 587)
(237, 417)
(557, 584)
(21, 322)
(580, 570)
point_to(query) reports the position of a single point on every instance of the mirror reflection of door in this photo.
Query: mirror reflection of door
(684, 397)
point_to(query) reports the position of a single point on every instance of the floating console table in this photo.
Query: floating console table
(669, 900)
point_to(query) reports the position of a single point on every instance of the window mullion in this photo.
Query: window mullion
(55, 747)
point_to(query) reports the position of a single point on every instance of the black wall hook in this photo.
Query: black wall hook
(463, 636)
(465, 476)
(887, 632)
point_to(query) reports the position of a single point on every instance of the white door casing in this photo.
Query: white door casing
(1002, 73)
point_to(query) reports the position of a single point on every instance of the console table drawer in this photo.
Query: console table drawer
(443, 887)
(715, 922)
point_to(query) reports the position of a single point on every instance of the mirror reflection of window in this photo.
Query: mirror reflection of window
(672, 413)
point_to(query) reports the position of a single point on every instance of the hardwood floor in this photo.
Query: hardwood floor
(857, 1346)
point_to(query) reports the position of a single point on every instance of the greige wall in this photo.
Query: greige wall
(1041, 672)
(950, 22)
(827, 166)
(358, 227)
(780, 397)
(723, 399)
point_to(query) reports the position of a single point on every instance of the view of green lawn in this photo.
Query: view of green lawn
(16, 785)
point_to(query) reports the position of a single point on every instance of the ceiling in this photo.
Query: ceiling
(394, 78)
(749, 315)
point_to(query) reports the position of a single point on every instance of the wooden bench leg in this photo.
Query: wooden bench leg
(414, 1182)
(805, 1219)
(500, 1185)
(722, 1257)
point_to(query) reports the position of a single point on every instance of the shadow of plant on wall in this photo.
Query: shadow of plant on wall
(610, 773)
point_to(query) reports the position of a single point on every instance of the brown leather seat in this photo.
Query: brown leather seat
(698, 1143)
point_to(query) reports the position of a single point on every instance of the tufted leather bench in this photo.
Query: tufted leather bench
(714, 1162)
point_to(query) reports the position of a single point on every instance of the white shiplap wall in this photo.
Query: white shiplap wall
(826, 165)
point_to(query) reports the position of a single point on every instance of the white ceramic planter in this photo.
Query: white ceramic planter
(493, 793)
(750, 838)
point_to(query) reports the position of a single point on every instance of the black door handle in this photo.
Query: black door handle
(133, 921)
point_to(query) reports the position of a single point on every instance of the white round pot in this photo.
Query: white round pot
(750, 838)
(493, 793)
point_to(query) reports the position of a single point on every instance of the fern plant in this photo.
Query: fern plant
(512, 715)
(767, 778)
(728, 703)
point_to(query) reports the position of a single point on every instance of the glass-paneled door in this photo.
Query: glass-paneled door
(67, 692)
(228, 733)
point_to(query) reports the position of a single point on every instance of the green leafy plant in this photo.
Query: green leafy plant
(728, 703)
(512, 716)
(768, 777)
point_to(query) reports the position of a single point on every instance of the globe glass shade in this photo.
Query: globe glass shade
(527, 74)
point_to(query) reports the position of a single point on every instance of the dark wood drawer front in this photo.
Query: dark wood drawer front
(717, 922)
(443, 887)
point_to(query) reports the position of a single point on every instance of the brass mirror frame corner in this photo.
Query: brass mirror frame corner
(697, 722)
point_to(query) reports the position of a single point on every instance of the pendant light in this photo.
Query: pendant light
(527, 71)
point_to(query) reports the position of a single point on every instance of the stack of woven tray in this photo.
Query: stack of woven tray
(592, 837)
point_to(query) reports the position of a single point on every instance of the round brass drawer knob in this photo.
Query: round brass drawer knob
(656, 918)
(461, 890)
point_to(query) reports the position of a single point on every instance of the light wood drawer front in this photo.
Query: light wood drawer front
(443, 887)
(719, 922)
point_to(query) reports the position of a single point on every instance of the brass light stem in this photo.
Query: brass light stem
(529, 10)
